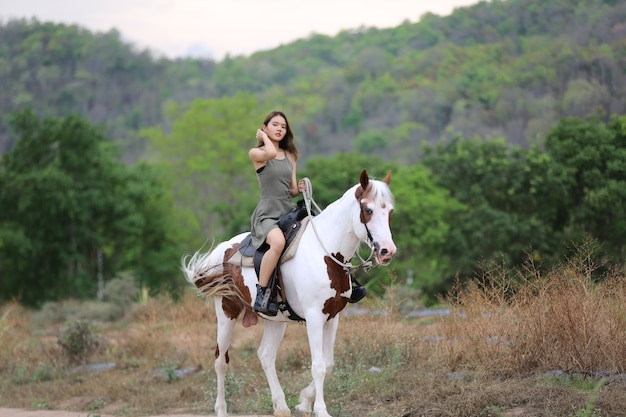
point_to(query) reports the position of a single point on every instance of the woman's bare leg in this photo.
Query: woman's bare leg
(276, 240)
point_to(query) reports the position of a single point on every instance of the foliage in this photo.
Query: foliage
(472, 112)
(78, 340)
(423, 221)
(495, 69)
(513, 203)
(205, 157)
(64, 197)
(60, 70)
(121, 291)
(593, 157)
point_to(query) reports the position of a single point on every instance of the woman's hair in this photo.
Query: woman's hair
(287, 142)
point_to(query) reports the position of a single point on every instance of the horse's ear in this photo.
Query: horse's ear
(365, 180)
(387, 179)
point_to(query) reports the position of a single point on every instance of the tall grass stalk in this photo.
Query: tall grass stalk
(515, 322)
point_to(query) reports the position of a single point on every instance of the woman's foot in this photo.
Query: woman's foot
(358, 293)
(263, 304)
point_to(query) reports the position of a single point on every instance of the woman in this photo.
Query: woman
(274, 160)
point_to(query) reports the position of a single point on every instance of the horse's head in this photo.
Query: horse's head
(376, 205)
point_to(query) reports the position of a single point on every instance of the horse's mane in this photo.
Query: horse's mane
(380, 190)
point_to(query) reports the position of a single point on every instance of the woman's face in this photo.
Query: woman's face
(276, 128)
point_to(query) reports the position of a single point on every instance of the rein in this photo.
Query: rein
(366, 264)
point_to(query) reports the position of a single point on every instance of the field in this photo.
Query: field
(512, 343)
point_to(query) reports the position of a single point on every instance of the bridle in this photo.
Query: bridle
(373, 245)
(366, 264)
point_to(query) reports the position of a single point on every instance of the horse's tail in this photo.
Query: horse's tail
(211, 277)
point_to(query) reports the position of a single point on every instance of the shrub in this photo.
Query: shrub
(121, 291)
(78, 340)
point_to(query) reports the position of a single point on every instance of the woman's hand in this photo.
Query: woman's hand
(301, 186)
(261, 135)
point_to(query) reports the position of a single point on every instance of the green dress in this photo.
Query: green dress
(275, 183)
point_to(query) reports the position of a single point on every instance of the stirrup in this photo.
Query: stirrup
(263, 304)
(358, 293)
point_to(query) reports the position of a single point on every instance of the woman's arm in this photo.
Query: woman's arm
(260, 155)
(296, 188)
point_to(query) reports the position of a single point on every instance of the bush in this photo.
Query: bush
(122, 290)
(78, 340)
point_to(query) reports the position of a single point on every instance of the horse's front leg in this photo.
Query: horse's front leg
(330, 333)
(321, 335)
(273, 333)
(224, 336)
(307, 395)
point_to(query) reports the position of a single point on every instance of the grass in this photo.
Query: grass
(516, 343)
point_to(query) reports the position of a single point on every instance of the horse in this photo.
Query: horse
(316, 282)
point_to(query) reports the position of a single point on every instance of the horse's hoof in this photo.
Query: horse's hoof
(282, 413)
(303, 413)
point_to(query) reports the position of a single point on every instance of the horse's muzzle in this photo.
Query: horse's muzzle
(384, 255)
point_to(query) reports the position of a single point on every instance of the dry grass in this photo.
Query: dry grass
(515, 323)
(489, 357)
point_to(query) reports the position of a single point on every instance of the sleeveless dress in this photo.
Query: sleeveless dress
(275, 184)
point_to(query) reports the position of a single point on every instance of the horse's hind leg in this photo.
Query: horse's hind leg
(273, 333)
(224, 335)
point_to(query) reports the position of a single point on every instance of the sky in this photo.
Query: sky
(215, 28)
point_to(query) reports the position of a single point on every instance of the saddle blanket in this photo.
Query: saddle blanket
(248, 261)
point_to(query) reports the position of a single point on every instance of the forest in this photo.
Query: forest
(503, 125)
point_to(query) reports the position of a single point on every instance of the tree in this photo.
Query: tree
(205, 158)
(514, 197)
(424, 219)
(65, 197)
(593, 160)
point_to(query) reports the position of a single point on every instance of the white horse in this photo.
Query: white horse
(316, 282)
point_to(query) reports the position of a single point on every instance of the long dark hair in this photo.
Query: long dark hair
(287, 142)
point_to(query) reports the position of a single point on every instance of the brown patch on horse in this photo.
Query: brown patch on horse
(232, 306)
(228, 253)
(362, 194)
(365, 216)
(361, 191)
(217, 354)
(340, 282)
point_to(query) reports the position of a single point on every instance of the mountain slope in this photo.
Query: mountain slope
(496, 69)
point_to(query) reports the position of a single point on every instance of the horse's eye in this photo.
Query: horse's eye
(369, 211)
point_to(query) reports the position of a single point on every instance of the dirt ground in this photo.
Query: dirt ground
(14, 412)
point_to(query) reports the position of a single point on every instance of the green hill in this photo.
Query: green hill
(506, 69)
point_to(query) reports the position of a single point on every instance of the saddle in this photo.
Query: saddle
(292, 225)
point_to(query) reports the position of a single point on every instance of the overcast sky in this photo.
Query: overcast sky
(214, 28)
